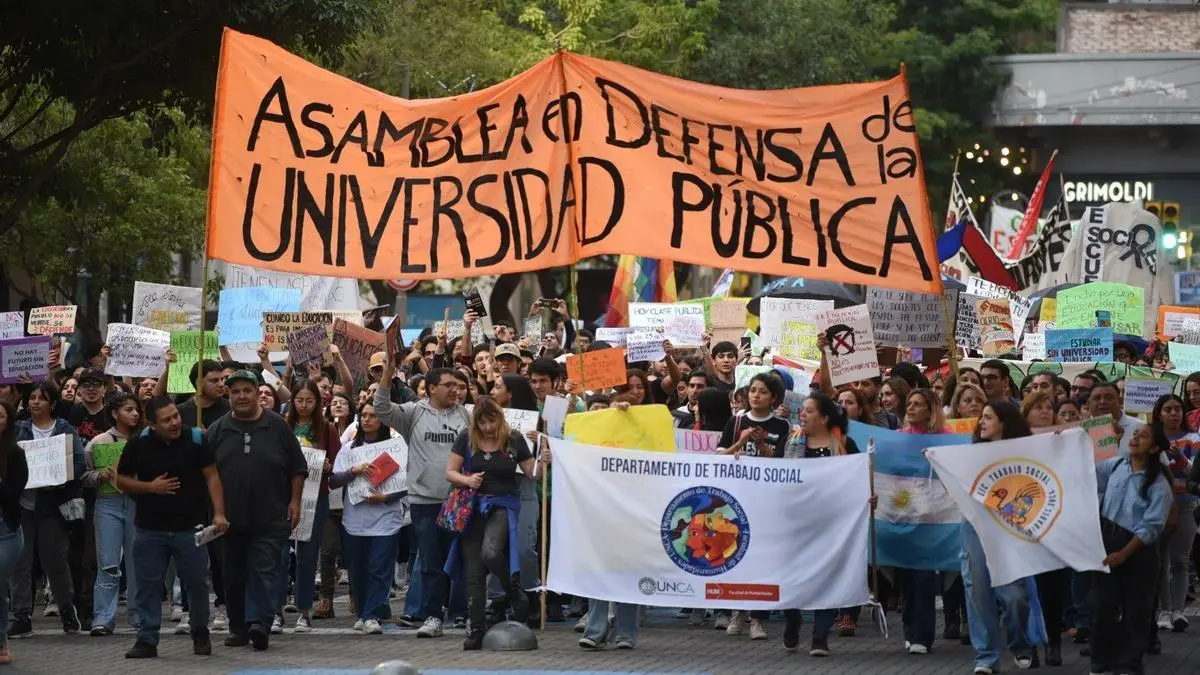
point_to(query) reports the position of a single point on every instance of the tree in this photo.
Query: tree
(105, 60)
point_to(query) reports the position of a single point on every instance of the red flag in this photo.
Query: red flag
(991, 268)
(1030, 220)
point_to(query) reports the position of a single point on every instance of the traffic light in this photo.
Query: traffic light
(1169, 216)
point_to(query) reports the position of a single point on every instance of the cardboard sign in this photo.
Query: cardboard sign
(166, 307)
(1074, 345)
(309, 345)
(1141, 393)
(727, 320)
(137, 351)
(681, 323)
(278, 326)
(995, 326)
(907, 319)
(58, 320)
(50, 461)
(1125, 304)
(356, 345)
(1171, 319)
(644, 347)
(240, 315)
(24, 356)
(850, 344)
(646, 190)
(12, 325)
(601, 369)
(773, 312)
(186, 345)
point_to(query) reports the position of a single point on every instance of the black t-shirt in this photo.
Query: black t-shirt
(148, 457)
(88, 425)
(851, 449)
(214, 412)
(778, 432)
(722, 385)
(499, 468)
(257, 483)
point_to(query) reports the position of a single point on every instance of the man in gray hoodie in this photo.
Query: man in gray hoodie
(429, 427)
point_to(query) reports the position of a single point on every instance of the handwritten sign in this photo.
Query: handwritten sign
(644, 347)
(1074, 345)
(522, 421)
(697, 442)
(137, 351)
(742, 374)
(356, 345)
(601, 369)
(166, 307)
(105, 455)
(905, 318)
(1125, 304)
(1048, 315)
(1171, 319)
(1186, 358)
(358, 489)
(309, 344)
(1018, 305)
(532, 328)
(278, 326)
(774, 311)
(615, 337)
(995, 326)
(25, 356)
(315, 457)
(241, 311)
(186, 345)
(1104, 438)
(727, 320)
(58, 320)
(12, 325)
(798, 340)
(50, 461)
(554, 411)
(681, 323)
(966, 322)
(456, 329)
(1033, 347)
(1141, 393)
(850, 344)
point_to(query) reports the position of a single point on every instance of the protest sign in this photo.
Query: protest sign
(166, 307)
(966, 321)
(850, 344)
(554, 411)
(186, 345)
(798, 340)
(962, 425)
(457, 328)
(29, 356)
(743, 373)
(699, 442)
(278, 326)
(1187, 288)
(308, 345)
(644, 427)
(1077, 307)
(995, 326)
(1185, 357)
(57, 320)
(358, 488)
(137, 351)
(50, 461)
(644, 347)
(1033, 347)
(1018, 305)
(315, 457)
(1048, 314)
(12, 325)
(1189, 332)
(317, 293)
(693, 530)
(1141, 393)
(1171, 319)
(727, 320)
(904, 318)
(597, 370)
(772, 312)
(1105, 441)
(532, 328)
(640, 195)
(241, 311)
(1079, 344)
(356, 345)
(681, 323)
(614, 336)
(105, 455)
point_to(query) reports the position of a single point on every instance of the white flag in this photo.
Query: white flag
(1032, 500)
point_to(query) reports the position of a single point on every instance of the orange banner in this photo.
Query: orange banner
(576, 157)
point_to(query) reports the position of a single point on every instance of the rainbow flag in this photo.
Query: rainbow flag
(639, 279)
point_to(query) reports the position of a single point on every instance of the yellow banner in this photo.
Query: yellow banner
(641, 427)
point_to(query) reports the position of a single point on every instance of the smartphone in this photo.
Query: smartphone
(744, 344)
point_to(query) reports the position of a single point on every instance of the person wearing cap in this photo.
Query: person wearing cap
(88, 415)
(508, 358)
(262, 471)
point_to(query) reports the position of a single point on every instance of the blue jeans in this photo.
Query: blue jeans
(412, 599)
(371, 561)
(433, 546)
(1081, 602)
(918, 588)
(625, 623)
(152, 549)
(983, 621)
(306, 558)
(114, 541)
(251, 570)
(12, 542)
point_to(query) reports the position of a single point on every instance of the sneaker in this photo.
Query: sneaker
(460, 623)
(260, 637)
(431, 629)
(697, 617)
(201, 644)
(50, 611)
(624, 643)
(277, 624)
(142, 650)
(721, 622)
(581, 624)
(303, 625)
(290, 607)
(235, 640)
(185, 625)
(791, 635)
(1164, 621)
(846, 626)
(343, 578)
(1179, 622)
(737, 623)
(372, 627)
(70, 620)
(410, 621)
(588, 643)
(820, 647)
(917, 648)
(176, 614)
(220, 620)
(100, 631)
(1024, 661)
(983, 670)
(757, 632)
(358, 625)
(20, 628)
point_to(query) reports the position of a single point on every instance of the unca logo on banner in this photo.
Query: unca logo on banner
(705, 531)
(1021, 494)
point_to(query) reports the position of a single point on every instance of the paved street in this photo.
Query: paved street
(666, 645)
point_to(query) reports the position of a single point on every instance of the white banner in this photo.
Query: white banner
(166, 307)
(312, 490)
(691, 530)
(1032, 500)
(137, 351)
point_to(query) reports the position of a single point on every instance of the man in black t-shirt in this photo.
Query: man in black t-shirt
(210, 399)
(172, 474)
(88, 415)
